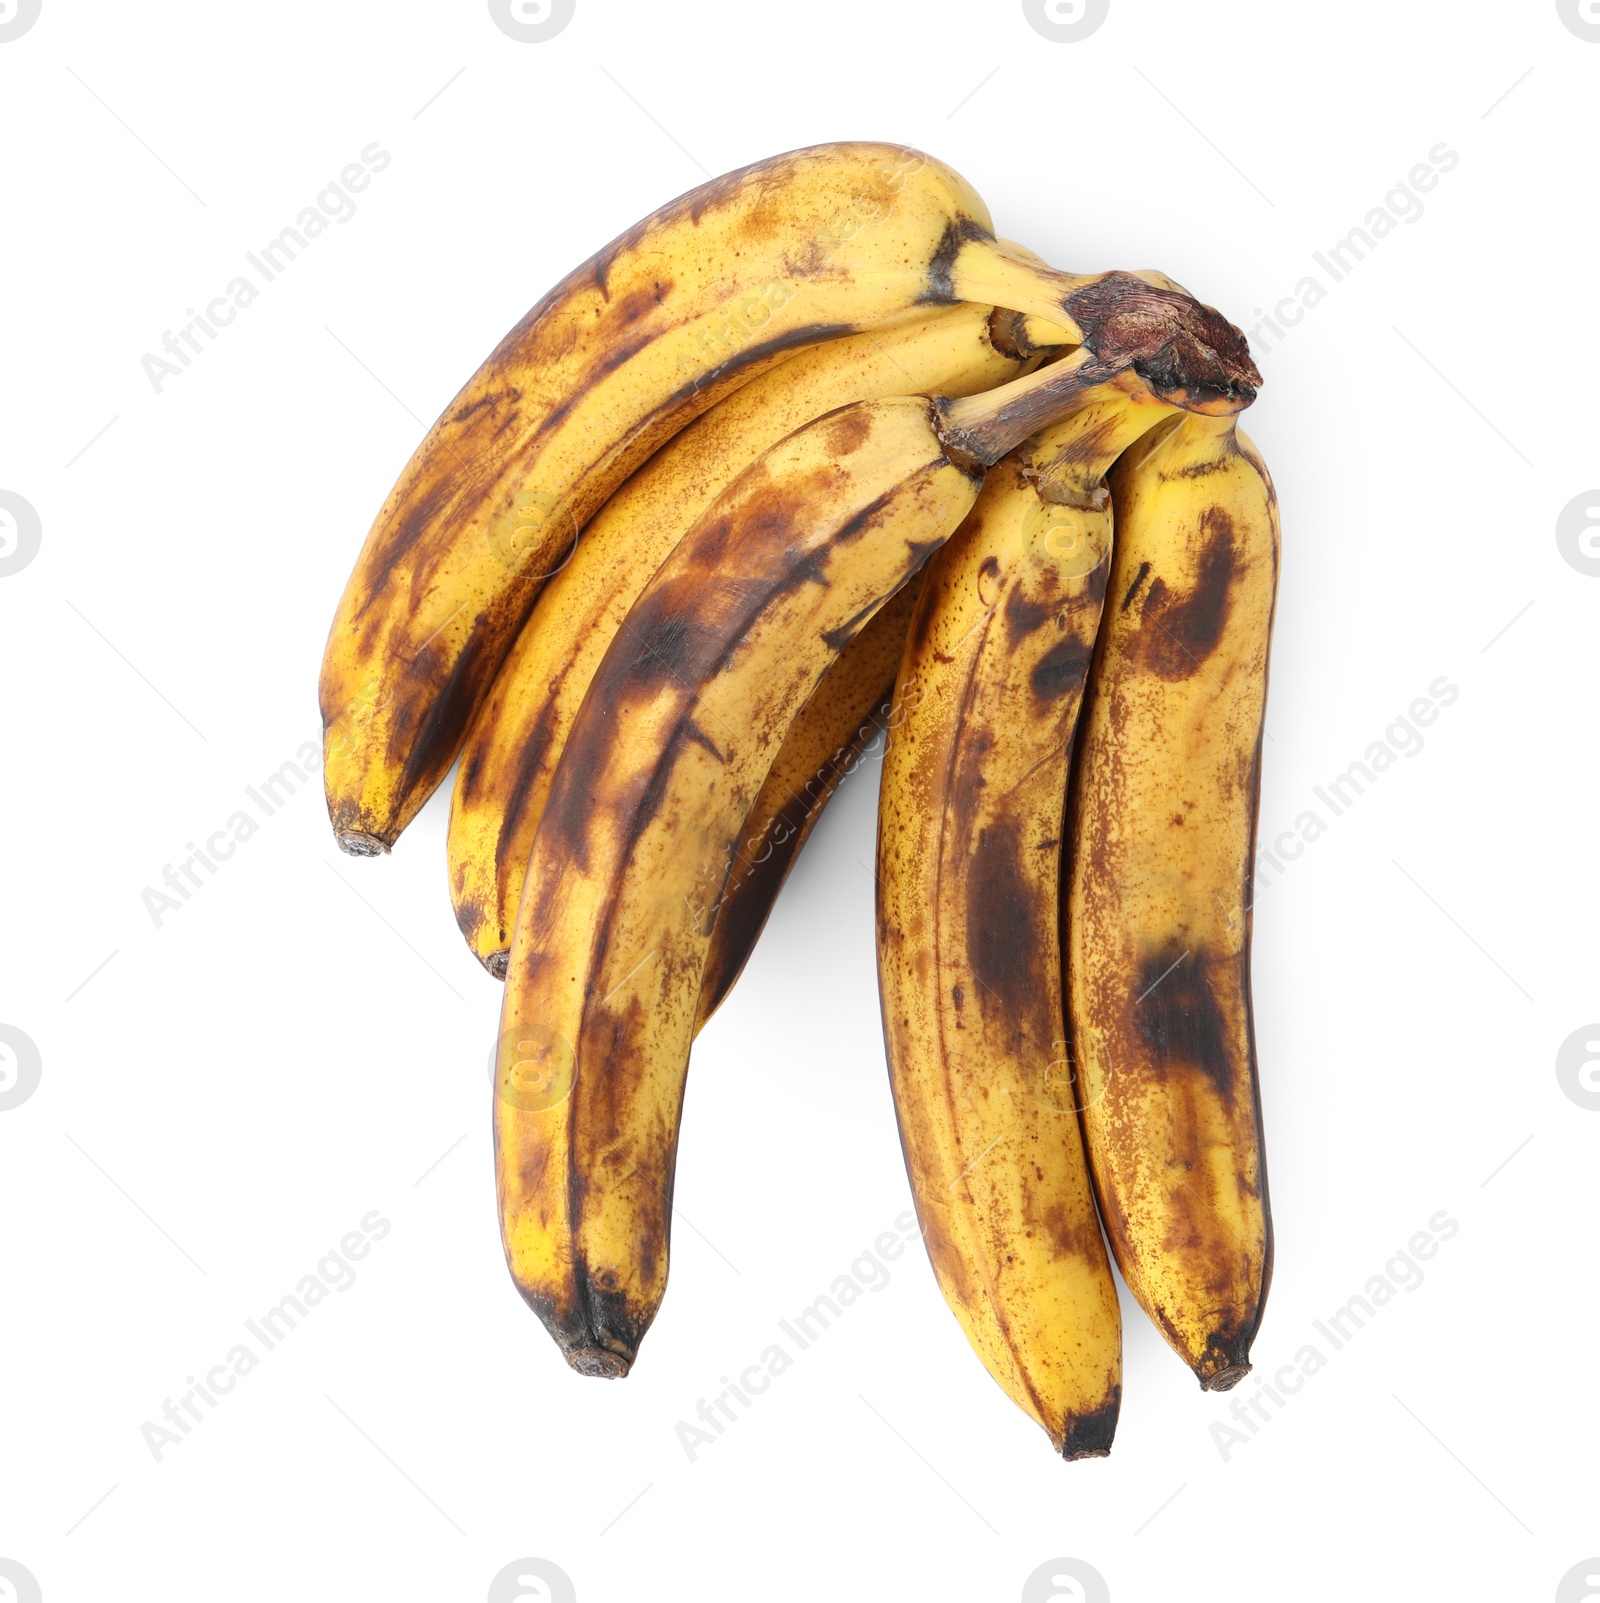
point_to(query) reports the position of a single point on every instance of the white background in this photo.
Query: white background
(225, 1096)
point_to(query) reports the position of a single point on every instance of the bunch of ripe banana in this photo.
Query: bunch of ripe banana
(805, 458)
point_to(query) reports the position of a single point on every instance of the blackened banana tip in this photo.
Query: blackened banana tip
(359, 843)
(599, 1362)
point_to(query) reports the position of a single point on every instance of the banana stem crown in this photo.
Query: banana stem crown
(1188, 354)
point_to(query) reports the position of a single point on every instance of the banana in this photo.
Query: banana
(970, 819)
(681, 723)
(516, 740)
(854, 703)
(689, 304)
(1162, 836)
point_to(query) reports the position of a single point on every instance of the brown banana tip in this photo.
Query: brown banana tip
(1225, 1379)
(599, 1362)
(358, 843)
(497, 963)
(1180, 347)
(1089, 1435)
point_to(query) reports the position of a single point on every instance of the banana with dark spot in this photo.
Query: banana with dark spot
(1162, 836)
(517, 738)
(856, 703)
(970, 821)
(692, 302)
(681, 724)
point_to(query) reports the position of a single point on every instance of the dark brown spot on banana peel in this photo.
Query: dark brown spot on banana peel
(1090, 1435)
(838, 639)
(490, 403)
(673, 637)
(1070, 1233)
(1062, 670)
(617, 352)
(430, 505)
(1002, 918)
(1178, 1021)
(710, 387)
(644, 300)
(531, 755)
(849, 430)
(437, 736)
(1023, 613)
(1133, 589)
(1178, 632)
(941, 269)
(920, 551)
(694, 735)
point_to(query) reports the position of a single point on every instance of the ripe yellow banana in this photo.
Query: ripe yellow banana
(680, 726)
(854, 703)
(1161, 837)
(690, 303)
(517, 738)
(970, 819)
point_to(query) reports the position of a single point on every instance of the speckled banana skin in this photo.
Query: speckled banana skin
(969, 959)
(1162, 835)
(694, 301)
(853, 707)
(681, 724)
(520, 731)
